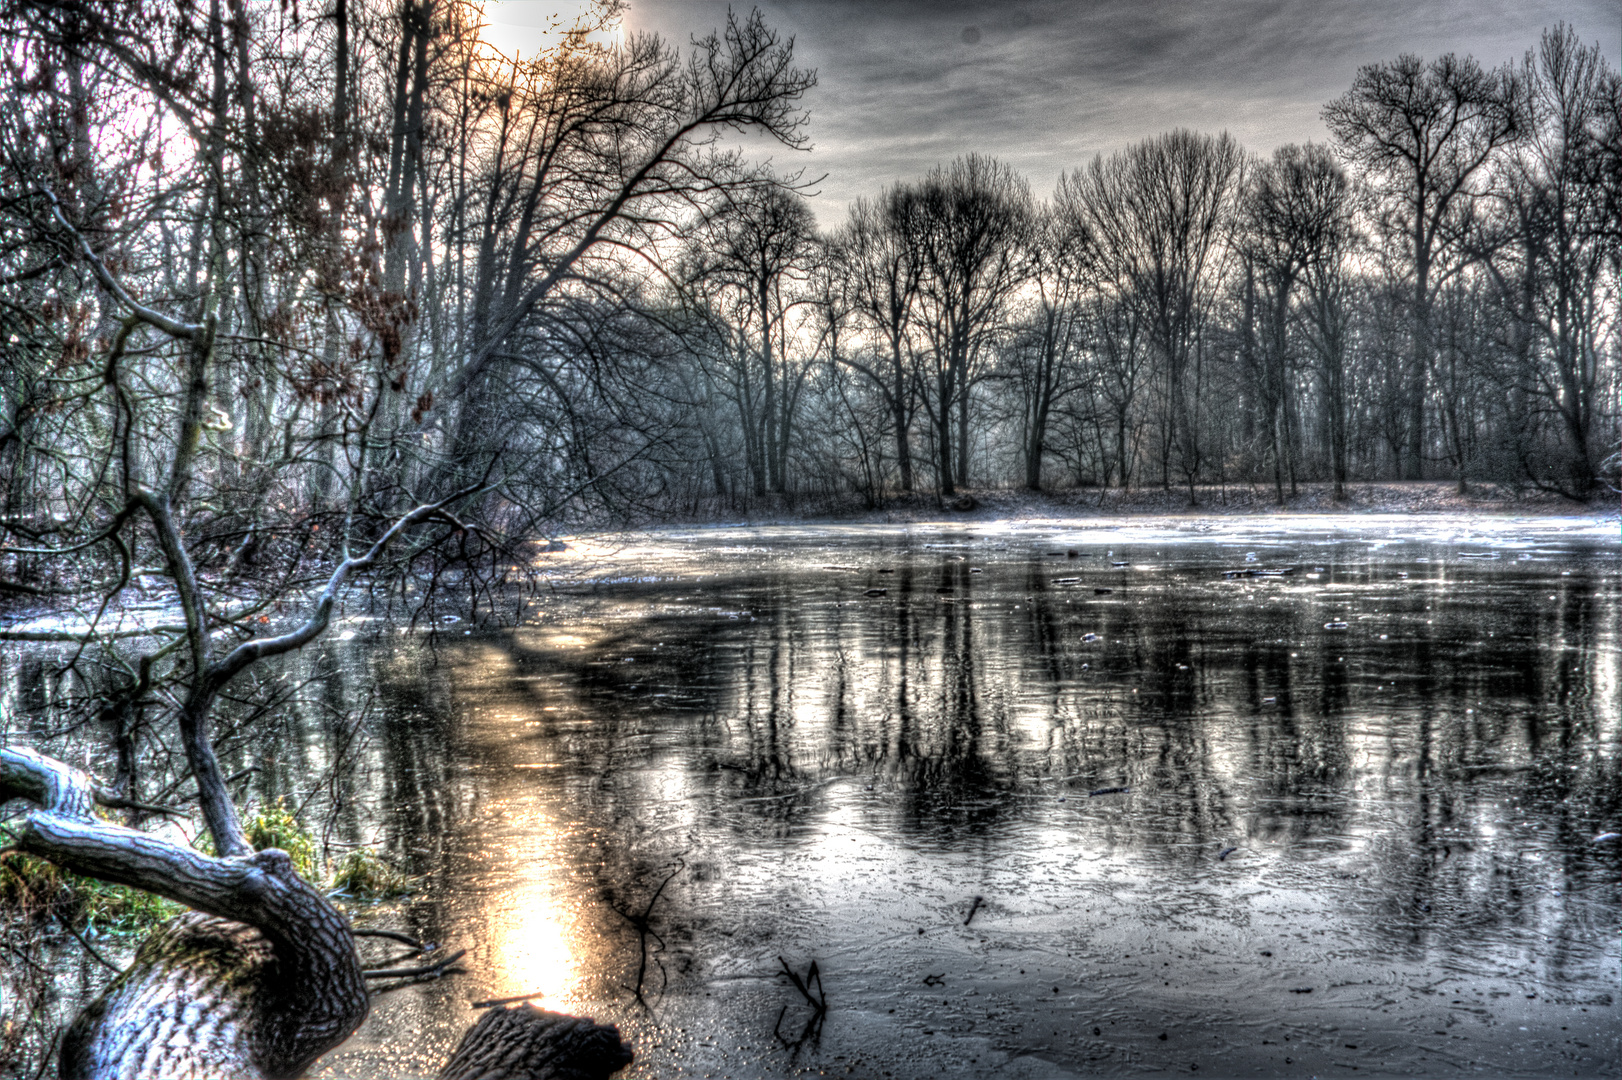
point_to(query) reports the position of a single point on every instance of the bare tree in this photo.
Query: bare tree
(1326, 206)
(1159, 214)
(876, 251)
(1123, 364)
(1048, 343)
(752, 258)
(597, 154)
(1298, 228)
(1552, 251)
(971, 219)
(1424, 136)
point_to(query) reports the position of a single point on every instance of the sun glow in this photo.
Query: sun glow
(532, 950)
(526, 28)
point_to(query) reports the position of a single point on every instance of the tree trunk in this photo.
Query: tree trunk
(1419, 361)
(963, 423)
(205, 997)
(903, 445)
(527, 1043)
(260, 979)
(1337, 422)
(1033, 458)
(202, 998)
(768, 374)
(940, 422)
(405, 143)
(1120, 449)
(1037, 437)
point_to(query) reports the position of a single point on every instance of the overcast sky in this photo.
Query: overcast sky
(1045, 84)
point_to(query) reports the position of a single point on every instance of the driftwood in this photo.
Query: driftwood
(259, 979)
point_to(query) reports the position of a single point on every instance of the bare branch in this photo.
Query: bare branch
(151, 316)
(259, 648)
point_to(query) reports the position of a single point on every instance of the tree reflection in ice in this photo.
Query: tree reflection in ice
(1403, 809)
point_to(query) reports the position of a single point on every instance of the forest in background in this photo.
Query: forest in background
(345, 261)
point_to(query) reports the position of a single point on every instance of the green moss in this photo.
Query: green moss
(274, 826)
(365, 875)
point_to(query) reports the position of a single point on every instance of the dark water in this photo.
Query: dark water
(1197, 831)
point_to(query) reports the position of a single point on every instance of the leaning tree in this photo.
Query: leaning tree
(262, 975)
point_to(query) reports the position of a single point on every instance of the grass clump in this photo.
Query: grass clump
(36, 890)
(120, 909)
(365, 875)
(276, 827)
(360, 875)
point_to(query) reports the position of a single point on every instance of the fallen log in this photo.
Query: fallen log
(527, 1043)
(259, 979)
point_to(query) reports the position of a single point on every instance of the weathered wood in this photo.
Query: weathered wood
(526, 1043)
(261, 978)
(191, 1005)
(268, 984)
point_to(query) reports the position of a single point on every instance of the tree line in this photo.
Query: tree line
(1432, 294)
(414, 262)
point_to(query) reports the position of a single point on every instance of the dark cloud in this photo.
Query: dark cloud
(1046, 84)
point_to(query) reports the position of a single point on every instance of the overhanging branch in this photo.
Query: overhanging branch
(250, 651)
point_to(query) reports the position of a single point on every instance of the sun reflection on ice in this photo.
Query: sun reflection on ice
(532, 935)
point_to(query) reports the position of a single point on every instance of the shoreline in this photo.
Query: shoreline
(1417, 497)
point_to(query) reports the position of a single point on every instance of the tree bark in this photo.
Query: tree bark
(257, 981)
(527, 1043)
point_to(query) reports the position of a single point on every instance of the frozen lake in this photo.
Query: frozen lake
(1039, 800)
